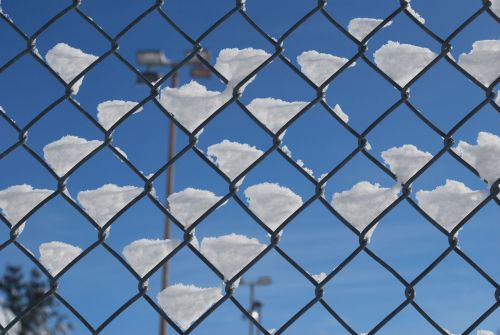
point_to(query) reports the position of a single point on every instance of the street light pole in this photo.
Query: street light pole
(252, 299)
(255, 306)
(156, 58)
(170, 189)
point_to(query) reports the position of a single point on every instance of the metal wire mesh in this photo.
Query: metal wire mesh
(278, 44)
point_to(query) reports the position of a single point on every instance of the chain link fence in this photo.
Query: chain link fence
(278, 44)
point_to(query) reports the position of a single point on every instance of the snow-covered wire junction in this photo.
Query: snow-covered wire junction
(272, 206)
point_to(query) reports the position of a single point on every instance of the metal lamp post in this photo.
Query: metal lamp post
(152, 59)
(255, 306)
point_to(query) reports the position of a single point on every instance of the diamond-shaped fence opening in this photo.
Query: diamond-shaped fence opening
(358, 163)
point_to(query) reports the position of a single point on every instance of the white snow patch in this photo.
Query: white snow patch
(189, 204)
(360, 27)
(368, 146)
(415, 14)
(309, 171)
(485, 332)
(323, 175)
(479, 332)
(450, 203)
(319, 277)
(16, 201)
(36, 52)
(340, 113)
(192, 103)
(318, 67)
(402, 62)
(497, 99)
(363, 203)
(233, 157)
(109, 112)
(194, 242)
(272, 203)
(69, 62)
(275, 113)
(6, 316)
(104, 202)
(405, 161)
(143, 255)
(299, 162)
(62, 155)
(231, 253)
(286, 150)
(8, 18)
(484, 156)
(55, 256)
(235, 64)
(495, 7)
(124, 154)
(483, 61)
(185, 304)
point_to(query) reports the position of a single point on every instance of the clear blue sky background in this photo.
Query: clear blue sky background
(363, 293)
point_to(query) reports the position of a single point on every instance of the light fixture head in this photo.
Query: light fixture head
(152, 58)
(264, 280)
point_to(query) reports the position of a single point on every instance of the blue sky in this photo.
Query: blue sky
(363, 293)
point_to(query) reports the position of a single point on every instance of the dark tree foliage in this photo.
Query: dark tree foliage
(20, 293)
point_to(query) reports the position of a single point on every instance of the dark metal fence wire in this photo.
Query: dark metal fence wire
(278, 44)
